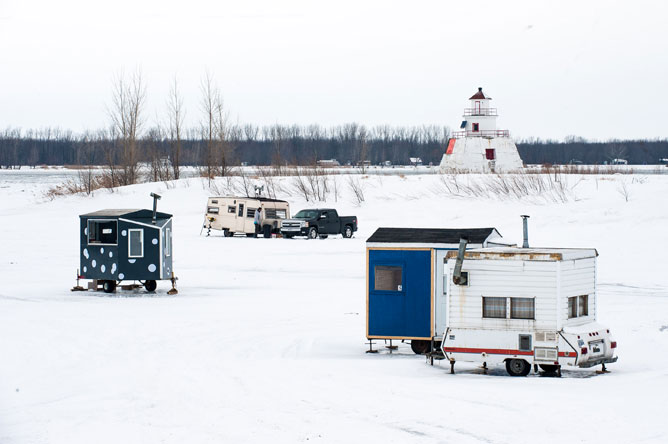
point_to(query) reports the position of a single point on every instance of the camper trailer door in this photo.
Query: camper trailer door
(440, 288)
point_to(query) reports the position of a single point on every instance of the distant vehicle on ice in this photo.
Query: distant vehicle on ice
(319, 222)
(234, 215)
(524, 306)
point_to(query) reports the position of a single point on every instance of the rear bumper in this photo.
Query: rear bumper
(598, 361)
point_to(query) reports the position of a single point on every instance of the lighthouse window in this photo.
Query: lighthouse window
(476, 127)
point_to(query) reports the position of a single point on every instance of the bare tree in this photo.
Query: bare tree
(176, 116)
(126, 112)
(214, 128)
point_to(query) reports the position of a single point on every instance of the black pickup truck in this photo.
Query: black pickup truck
(319, 222)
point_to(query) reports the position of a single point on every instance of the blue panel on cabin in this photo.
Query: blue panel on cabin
(404, 312)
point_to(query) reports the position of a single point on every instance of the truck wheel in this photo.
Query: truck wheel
(312, 233)
(109, 286)
(549, 368)
(323, 236)
(227, 233)
(348, 232)
(266, 231)
(150, 286)
(517, 367)
(420, 347)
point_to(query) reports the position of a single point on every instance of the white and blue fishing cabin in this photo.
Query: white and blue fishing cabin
(405, 281)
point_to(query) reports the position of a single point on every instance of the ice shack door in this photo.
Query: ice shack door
(440, 287)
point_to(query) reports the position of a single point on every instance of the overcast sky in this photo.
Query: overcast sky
(596, 69)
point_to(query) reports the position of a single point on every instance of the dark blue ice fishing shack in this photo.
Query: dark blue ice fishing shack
(118, 245)
(405, 280)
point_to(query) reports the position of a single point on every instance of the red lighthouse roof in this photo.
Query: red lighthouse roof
(479, 95)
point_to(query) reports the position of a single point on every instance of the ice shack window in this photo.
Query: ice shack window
(583, 309)
(168, 241)
(102, 232)
(387, 278)
(522, 308)
(573, 307)
(494, 307)
(135, 242)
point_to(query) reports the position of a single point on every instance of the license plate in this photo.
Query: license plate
(597, 348)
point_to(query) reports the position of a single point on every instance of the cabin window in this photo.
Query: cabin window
(494, 307)
(522, 308)
(475, 127)
(168, 242)
(578, 306)
(135, 242)
(212, 210)
(231, 209)
(102, 232)
(387, 278)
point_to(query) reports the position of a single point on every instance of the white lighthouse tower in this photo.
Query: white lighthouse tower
(478, 146)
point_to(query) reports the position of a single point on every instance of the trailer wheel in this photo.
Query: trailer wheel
(549, 368)
(420, 347)
(348, 232)
(266, 231)
(312, 233)
(109, 286)
(228, 233)
(150, 286)
(517, 367)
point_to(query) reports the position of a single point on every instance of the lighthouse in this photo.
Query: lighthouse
(478, 146)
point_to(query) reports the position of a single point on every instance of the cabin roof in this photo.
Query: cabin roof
(261, 199)
(526, 254)
(432, 235)
(127, 214)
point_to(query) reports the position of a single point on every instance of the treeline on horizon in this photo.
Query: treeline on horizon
(303, 145)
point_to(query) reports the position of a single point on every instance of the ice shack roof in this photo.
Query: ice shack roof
(526, 254)
(433, 237)
(144, 216)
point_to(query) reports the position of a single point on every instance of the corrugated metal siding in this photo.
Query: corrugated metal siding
(504, 279)
(578, 278)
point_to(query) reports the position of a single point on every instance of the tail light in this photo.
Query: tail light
(613, 344)
(583, 350)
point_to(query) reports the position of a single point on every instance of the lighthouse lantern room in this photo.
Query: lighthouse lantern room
(478, 146)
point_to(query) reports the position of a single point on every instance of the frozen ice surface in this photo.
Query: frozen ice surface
(265, 341)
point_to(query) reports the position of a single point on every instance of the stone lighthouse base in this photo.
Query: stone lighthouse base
(481, 155)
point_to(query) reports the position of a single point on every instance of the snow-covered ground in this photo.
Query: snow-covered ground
(265, 341)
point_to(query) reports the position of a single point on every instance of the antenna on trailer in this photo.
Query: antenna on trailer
(156, 198)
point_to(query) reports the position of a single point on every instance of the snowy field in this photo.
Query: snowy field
(265, 341)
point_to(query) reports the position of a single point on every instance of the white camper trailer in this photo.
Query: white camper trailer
(236, 215)
(524, 307)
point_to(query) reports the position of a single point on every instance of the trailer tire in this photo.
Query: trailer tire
(228, 233)
(549, 368)
(109, 286)
(517, 367)
(348, 232)
(419, 346)
(150, 286)
(312, 233)
(266, 231)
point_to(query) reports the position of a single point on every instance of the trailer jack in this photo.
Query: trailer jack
(371, 350)
(173, 290)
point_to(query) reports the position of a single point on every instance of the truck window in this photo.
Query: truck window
(323, 215)
(387, 278)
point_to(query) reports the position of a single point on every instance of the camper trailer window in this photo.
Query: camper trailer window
(387, 278)
(250, 212)
(494, 307)
(522, 308)
(583, 308)
(212, 210)
(135, 242)
(231, 209)
(572, 307)
(102, 232)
